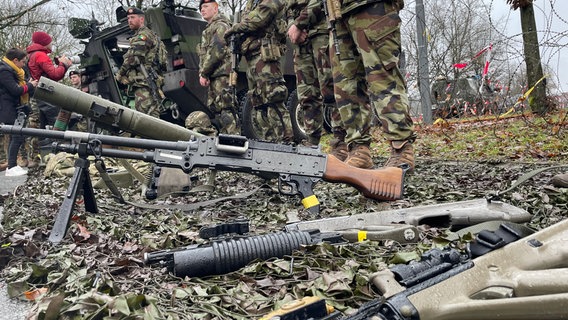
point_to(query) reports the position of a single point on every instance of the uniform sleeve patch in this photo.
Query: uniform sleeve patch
(142, 37)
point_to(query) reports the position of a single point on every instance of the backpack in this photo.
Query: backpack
(161, 58)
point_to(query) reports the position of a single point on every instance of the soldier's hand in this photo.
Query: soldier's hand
(231, 31)
(66, 61)
(294, 33)
(204, 82)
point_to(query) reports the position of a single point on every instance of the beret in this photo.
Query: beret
(201, 2)
(134, 10)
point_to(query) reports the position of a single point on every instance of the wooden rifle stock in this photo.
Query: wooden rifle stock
(380, 184)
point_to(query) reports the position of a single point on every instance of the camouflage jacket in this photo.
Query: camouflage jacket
(261, 18)
(214, 54)
(307, 15)
(143, 49)
(349, 5)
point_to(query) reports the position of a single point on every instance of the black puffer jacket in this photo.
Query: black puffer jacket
(10, 93)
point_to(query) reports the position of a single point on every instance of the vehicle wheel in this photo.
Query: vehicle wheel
(250, 116)
(327, 111)
(249, 125)
(296, 116)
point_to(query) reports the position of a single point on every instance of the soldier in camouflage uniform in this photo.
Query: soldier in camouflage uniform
(307, 27)
(144, 47)
(79, 123)
(263, 33)
(214, 66)
(366, 71)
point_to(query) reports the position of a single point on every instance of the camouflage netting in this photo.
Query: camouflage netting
(98, 271)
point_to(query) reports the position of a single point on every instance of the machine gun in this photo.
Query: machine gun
(297, 168)
(332, 9)
(498, 277)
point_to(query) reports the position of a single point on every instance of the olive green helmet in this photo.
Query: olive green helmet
(199, 121)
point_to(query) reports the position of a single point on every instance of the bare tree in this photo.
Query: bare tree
(537, 100)
(19, 19)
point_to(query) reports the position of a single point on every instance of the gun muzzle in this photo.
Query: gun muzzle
(109, 113)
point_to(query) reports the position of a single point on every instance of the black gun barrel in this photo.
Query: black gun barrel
(104, 139)
(225, 256)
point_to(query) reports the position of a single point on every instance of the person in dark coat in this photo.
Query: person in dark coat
(14, 96)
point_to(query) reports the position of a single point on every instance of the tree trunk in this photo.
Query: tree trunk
(537, 99)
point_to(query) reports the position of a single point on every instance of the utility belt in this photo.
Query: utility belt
(270, 48)
(356, 6)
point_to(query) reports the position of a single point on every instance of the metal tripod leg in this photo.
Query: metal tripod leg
(81, 181)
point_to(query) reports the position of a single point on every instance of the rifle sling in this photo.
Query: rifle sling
(524, 178)
(100, 165)
(183, 207)
(197, 205)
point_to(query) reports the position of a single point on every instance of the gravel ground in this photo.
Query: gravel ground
(10, 309)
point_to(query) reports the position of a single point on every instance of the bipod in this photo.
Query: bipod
(80, 184)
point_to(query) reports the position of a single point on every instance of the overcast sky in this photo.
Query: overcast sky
(552, 25)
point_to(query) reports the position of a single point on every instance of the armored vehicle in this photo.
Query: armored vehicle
(180, 29)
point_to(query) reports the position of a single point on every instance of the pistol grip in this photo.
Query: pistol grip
(301, 185)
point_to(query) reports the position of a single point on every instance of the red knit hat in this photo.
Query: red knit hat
(41, 38)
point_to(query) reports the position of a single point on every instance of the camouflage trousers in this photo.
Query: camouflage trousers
(366, 73)
(30, 149)
(268, 93)
(145, 103)
(314, 83)
(220, 102)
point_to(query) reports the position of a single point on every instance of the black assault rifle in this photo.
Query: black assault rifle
(152, 79)
(298, 168)
(235, 42)
(332, 9)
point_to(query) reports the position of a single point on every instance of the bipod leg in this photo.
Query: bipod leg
(81, 181)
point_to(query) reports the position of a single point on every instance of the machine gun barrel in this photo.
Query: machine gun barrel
(109, 113)
(220, 257)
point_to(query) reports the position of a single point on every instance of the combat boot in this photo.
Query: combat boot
(560, 180)
(360, 156)
(402, 152)
(339, 149)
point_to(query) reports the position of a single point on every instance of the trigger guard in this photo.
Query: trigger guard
(285, 178)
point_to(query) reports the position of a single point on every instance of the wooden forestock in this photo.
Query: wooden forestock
(380, 184)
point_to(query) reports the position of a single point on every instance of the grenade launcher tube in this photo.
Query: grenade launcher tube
(220, 257)
(109, 113)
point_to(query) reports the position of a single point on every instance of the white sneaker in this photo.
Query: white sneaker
(16, 171)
